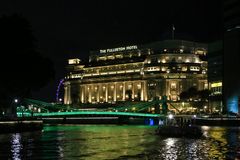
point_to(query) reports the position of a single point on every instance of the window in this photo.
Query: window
(184, 68)
(164, 68)
(194, 68)
(187, 60)
(173, 85)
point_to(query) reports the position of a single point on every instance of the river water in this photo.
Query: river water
(96, 142)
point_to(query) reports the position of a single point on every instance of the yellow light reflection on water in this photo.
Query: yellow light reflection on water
(101, 141)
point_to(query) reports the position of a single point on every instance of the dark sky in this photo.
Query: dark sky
(70, 28)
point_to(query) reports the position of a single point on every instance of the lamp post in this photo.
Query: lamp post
(16, 100)
(205, 109)
(14, 109)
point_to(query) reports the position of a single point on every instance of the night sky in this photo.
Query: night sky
(71, 28)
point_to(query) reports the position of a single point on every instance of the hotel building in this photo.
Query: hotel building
(137, 73)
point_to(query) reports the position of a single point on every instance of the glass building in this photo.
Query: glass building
(231, 55)
(137, 73)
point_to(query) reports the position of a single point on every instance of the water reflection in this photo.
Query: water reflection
(95, 142)
(16, 146)
(118, 142)
(170, 150)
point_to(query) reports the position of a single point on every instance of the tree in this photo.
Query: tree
(22, 67)
(196, 98)
(129, 93)
(190, 94)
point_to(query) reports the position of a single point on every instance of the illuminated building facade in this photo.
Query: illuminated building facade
(137, 73)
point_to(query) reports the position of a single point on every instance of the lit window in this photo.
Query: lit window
(193, 68)
(74, 61)
(103, 58)
(184, 68)
(119, 56)
(218, 84)
(139, 86)
(129, 86)
(111, 57)
(173, 86)
(197, 60)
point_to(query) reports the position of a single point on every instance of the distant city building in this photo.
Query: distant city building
(215, 75)
(231, 44)
(137, 73)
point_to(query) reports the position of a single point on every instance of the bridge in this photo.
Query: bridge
(88, 113)
(36, 108)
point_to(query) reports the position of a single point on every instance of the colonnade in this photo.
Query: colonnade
(108, 92)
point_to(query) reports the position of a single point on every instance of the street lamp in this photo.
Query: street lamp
(16, 100)
(14, 107)
(205, 109)
(170, 116)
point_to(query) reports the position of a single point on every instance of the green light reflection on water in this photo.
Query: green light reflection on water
(101, 142)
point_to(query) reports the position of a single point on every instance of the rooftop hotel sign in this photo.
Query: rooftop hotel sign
(118, 49)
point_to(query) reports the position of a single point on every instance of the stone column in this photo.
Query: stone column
(142, 86)
(69, 94)
(133, 94)
(124, 91)
(85, 94)
(89, 93)
(98, 90)
(115, 92)
(145, 90)
(106, 92)
(65, 95)
(82, 94)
